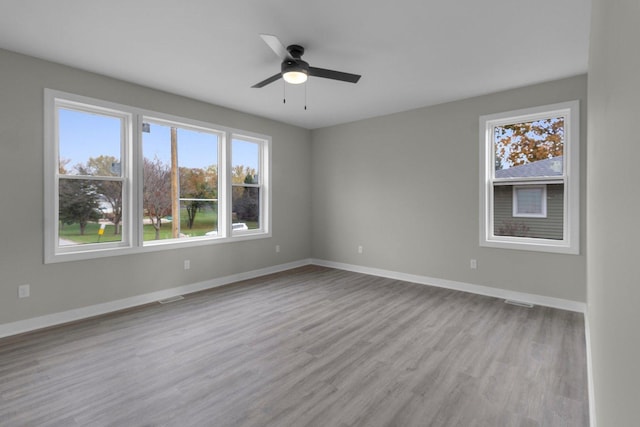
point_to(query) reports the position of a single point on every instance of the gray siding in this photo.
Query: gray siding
(544, 228)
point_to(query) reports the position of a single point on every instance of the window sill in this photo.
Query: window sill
(94, 253)
(536, 245)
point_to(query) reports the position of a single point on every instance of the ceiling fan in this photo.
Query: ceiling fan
(294, 70)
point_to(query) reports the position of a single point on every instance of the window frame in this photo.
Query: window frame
(132, 179)
(570, 244)
(125, 171)
(187, 124)
(263, 157)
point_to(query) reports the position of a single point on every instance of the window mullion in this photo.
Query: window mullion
(224, 223)
(247, 185)
(529, 181)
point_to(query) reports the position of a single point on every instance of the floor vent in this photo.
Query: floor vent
(518, 303)
(172, 299)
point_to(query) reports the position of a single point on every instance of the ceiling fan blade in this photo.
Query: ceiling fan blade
(334, 75)
(267, 81)
(276, 45)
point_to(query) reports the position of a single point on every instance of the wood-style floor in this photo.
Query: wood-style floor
(309, 347)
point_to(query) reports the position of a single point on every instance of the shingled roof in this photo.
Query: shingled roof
(546, 167)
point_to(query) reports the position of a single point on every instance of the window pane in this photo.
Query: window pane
(193, 174)
(246, 208)
(89, 143)
(506, 224)
(199, 218)
(245, 161)
(245, 172)
(90, 211)
(529, 149)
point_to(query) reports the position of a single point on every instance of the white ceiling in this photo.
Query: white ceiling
(411, 53)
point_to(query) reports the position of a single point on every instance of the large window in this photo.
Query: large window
(122, 180)
(529, 173)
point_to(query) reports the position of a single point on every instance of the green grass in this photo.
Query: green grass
(72, 232)
(206, 221)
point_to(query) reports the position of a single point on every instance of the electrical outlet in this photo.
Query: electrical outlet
(360, 249)
(473, 264)
(187, 264)
(277, 249)
(24, 291)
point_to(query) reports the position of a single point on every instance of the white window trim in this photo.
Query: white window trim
(543, 204)
(570, 244)
(132, 161)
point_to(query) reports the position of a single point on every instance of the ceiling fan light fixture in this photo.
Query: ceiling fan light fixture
(295, 77)
(295, 71)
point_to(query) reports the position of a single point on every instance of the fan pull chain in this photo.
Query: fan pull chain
(305, 94)
(284, 92)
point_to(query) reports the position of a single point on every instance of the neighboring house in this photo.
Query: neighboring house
(527, 209)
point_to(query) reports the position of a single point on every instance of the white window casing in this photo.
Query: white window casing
(570, 179)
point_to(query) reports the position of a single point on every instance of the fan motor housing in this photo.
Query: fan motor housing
(295, 50)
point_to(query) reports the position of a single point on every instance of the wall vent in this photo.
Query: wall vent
(518, 303)
(171, 299)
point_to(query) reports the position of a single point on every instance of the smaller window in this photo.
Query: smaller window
(247, 185)
(529, 179)
(530, 201)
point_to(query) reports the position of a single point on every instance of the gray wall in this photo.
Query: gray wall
(614, 210)
(64, 286)
(405, 187)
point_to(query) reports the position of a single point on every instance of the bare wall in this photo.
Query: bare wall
(65, 286)
(405, 187)
(614, 202)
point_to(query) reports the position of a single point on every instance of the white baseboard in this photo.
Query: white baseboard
(54, 319)
(534, 299)
(49, 320)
